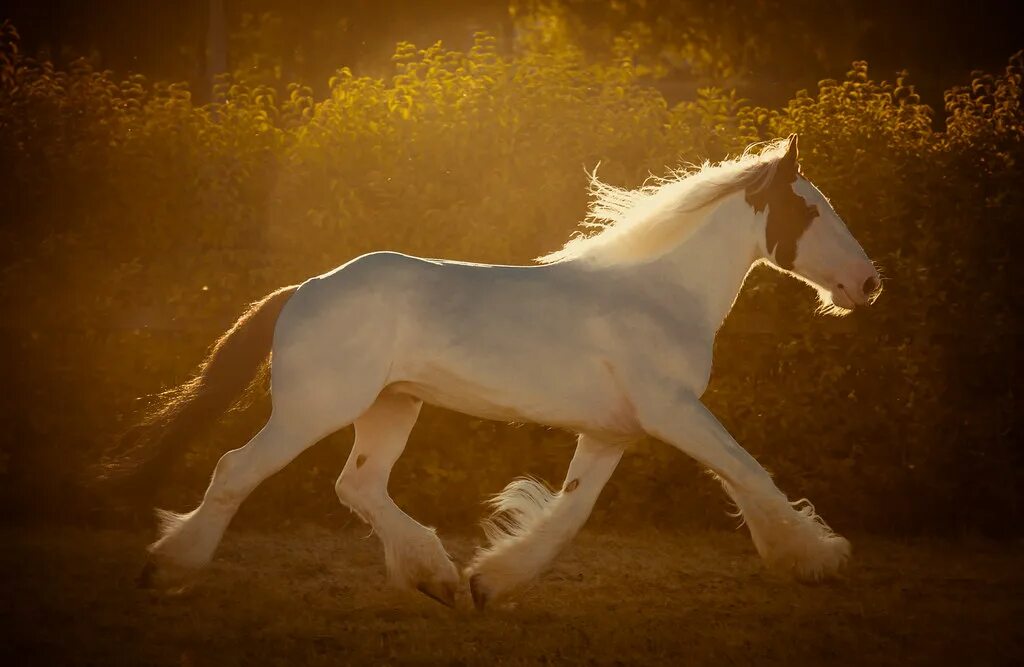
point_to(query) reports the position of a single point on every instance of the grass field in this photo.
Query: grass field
(314, 596)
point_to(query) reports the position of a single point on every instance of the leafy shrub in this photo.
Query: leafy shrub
(139, 222)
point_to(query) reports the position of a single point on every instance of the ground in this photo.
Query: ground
(319, 597)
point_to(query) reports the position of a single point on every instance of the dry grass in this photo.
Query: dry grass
(318, 597)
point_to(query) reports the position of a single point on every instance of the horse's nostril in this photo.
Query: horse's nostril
(870, 285)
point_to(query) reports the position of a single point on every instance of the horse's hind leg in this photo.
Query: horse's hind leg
(188, 541)
(414, 555)
(531, 525)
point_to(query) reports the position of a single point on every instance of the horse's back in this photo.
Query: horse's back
(376, 299)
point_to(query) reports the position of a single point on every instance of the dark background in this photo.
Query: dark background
(777, 46)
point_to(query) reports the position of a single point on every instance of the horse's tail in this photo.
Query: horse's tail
(143, 454)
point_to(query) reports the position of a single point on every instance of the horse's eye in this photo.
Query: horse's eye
(812, 210)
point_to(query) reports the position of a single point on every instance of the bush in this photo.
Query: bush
(139, 222)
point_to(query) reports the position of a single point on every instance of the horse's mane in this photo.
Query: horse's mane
(636, 225)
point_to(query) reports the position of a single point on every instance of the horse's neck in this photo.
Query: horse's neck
(715, 259)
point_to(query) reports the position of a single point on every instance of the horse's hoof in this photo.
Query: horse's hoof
(164, 577)
(146, 576)
(480, 596)
(443, 593)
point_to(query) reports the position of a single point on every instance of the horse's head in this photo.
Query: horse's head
(805, 236)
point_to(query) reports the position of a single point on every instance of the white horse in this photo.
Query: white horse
(610, 337)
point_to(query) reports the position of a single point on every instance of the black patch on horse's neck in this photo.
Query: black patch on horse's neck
(789, 215)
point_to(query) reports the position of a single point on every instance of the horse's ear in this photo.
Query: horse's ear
(788, 165)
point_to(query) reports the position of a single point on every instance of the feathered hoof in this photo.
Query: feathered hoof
(815, 560)
(440, 591)
(165, 577)
(490, 588)
(493, 577)
(420, 563)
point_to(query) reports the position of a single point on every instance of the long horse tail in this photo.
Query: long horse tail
(144, 453)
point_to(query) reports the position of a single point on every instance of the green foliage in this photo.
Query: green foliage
(139, 222)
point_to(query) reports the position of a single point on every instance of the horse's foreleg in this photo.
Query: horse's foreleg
(788, 535)
(531, 525)
(414, 555)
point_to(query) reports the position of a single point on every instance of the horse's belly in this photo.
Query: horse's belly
(579, 402)
(467, 401)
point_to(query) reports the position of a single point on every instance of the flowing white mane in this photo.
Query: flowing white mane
(636, 225)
